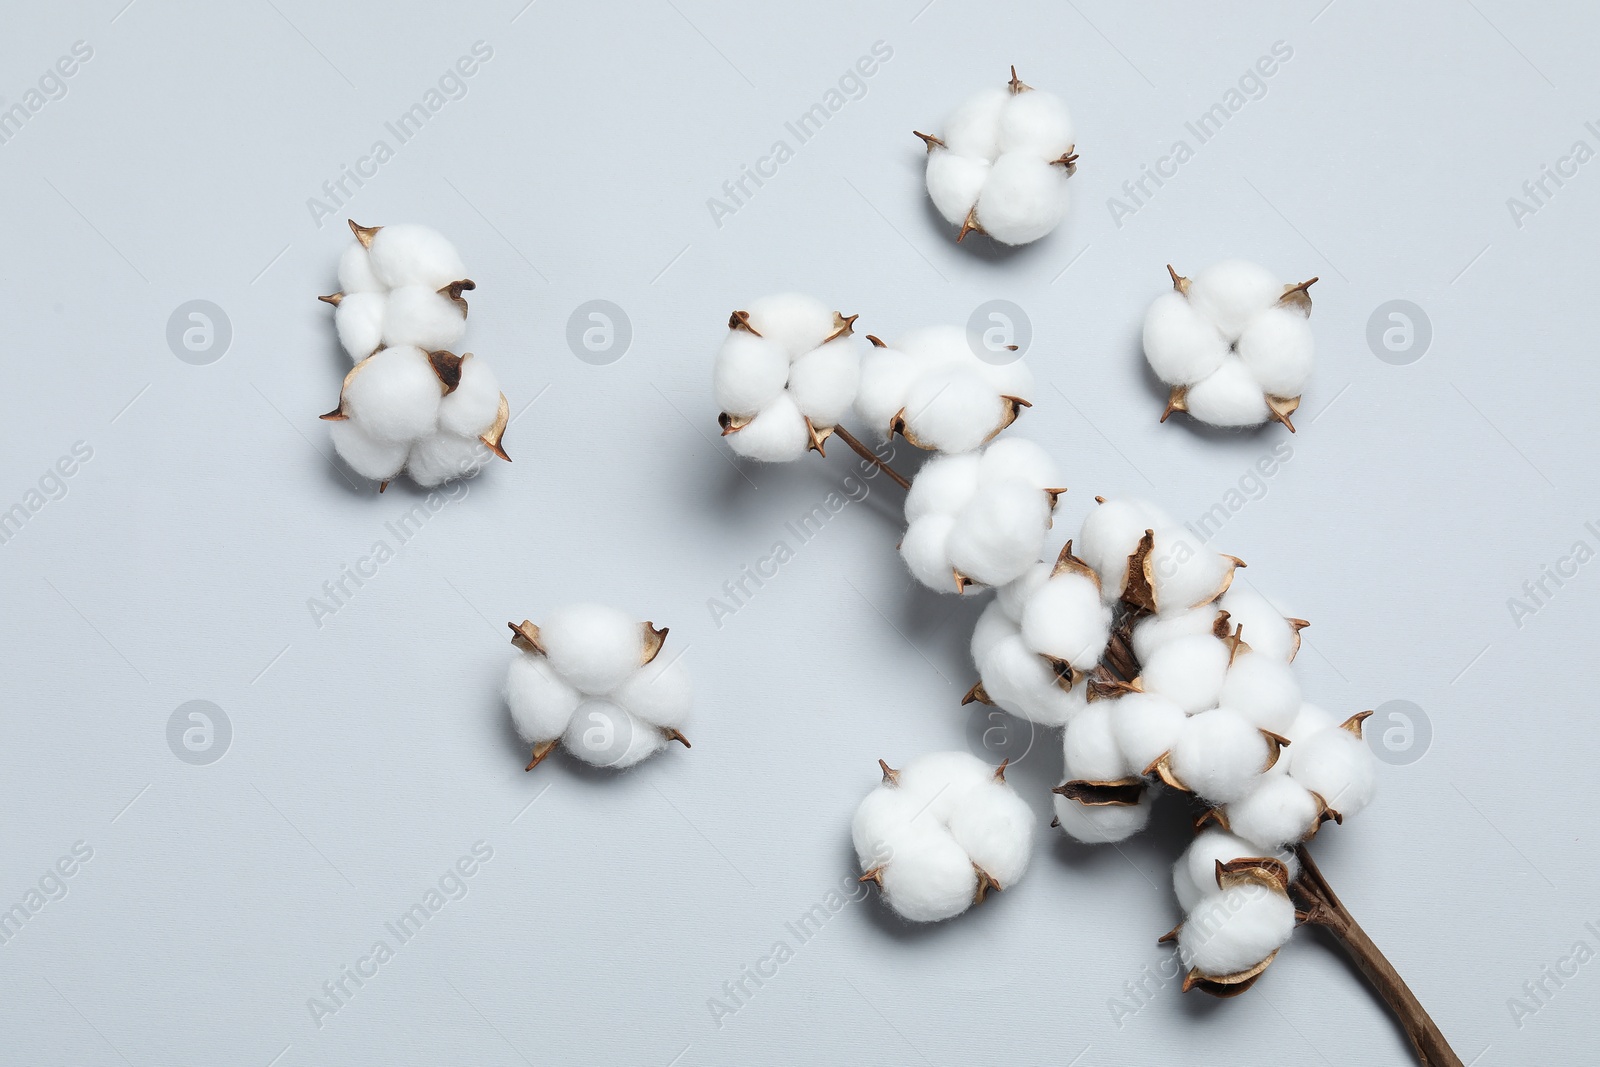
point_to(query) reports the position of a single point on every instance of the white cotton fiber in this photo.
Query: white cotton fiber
(925, 547)
(974, 128)
(1309, 720)
(1037, 124)
(1230, 293)
(395, 395)
(1021, 460)
(1145, 727)
(953, 408)
(419, 316)
(954, 183)
(603, 734)
(1189, 671)
(886, 377)
(1153, 631)
(442, 455)
(541, 703)
(1185, 573)
(750, 373)
(1023, 199)
(1265, 631)
(1228, 396)
(1067, 619)
(1219, 755)
(998, 534)
(926, 831)
(1105, 823)
(1017, 678)
(367, 456)
(1336, 765)
(359, 322)
(794, 321)
(823, 381)
(777, 435)
(409, 254)
(471, 409)
(1182, 347)
(355, 272)
(995, 624)
(1111, 531)
(1013, 597)
(594, 647)
(1278, 812)
(1278, 349)
(1089, 746)
(1263, 690)
(1213, 846)
(1234, 929)
(659, 693)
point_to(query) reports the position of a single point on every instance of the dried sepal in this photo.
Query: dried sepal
(1298, 296)
(672, 734)
(1226, 985)
(986, 882)
(1008, 415)
(1219, 628)
(1235, 642)
(1353, 723)
(733, 423)
(1104, 687)
(1067, 563)
(1067, 159)
(1177, 400)
(929, 140)
(453, 291)
(969, 225)
(1179, 282)
(977, 694)
(493, 436)
(890, 775)
(876, 341)
(653, 640)
(540, 751)
(843, 326)
(1325, 814)
(1118, 792)
(1139, 590)
(1016, 84)
(1275, 746)
(447, 368)
(962, 581)
(740, 320)
(1067, 676)
(1269, 873)
(1296, 625)
(364, 234)
(1219, 816)
(525, 635)
(1279, 408)
(1161, 767)
(332, 298)
(816, 439)
(338, 413)
(875, 876)
(1000, 771)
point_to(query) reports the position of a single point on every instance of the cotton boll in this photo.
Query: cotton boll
(930, 877)
(1263, 690)
(1000, 532)
(1213, 846)
(659, 693)
(777, 435)
(1278, 812)
(603, 734)
(1231, 293)
(941, 780)
(1309, 720)
(594, 647)
(749, 374)
(355, 272)
(925, 548)
(541, 703)
(954, 182)
(1067, 619)
(1189, 671)
(359, 320)
(395, 395)
(886, 376)
(1007, 379)
(1154, 631)
(419, 316)
(1336, 765)
(1022, 460)
(1220, 755)
(1184, 573)
(879, 819)
(1089, 746)
(1013, 597)
(1109, 536)
(823, 382)
(1234, 929)
(474, 405)
(1102, 824)
(443, 455)
(1228, 396)
(1019, 681)
(952, 409)
(1278, 348)
(1267, 632)
(1023, 199)
(367, 456)
(409, 254)
(974, 129)
(794, 321)
(943, 486)
(994, 826)
(993, 626)
(1182, 347)
(1036, 123)
(1144, 726)
(1183, 887)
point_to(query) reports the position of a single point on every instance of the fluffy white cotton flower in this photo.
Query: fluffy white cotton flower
(1149, 561)
(979, 517)
(1000, 164)
(932, 388)
(593, 679)
(786, 374)
(1015, 677)
(408, 403)
(1233, 342)
(1231, 931)
(937, 835)
(1266, 631)
(1220, 756)
(1278, 812)
(1334, 763)
(1096, 824)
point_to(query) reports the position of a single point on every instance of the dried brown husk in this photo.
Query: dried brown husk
(1118, 792)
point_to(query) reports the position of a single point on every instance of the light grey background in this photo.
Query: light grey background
(371, 752)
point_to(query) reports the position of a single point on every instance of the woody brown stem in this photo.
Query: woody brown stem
(1323, 907)
(867, 454)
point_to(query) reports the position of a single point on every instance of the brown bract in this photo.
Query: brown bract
(1119, 792)
(1011, 407)
(364, 234)
(1139, 588)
